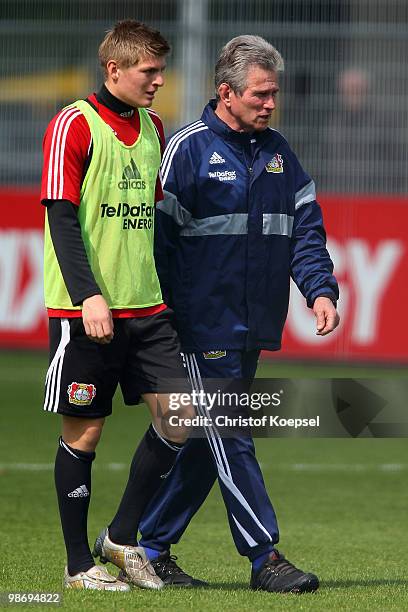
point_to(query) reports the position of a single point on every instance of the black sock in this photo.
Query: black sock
(153, 459)
(73, 484)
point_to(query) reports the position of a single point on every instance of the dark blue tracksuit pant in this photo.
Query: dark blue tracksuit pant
(251, 516)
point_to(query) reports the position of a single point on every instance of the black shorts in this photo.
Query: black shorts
(143, 357)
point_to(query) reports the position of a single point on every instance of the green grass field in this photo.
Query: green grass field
(342, 505)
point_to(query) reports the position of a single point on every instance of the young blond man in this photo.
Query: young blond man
(108, 323)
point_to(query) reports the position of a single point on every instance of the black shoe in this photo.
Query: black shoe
(278, 575)
(171, 574)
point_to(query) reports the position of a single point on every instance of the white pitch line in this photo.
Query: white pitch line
(294, 467)
(46, 467)
(348, 467)
(29, 376)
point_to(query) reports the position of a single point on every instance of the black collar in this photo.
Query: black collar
(105, 97)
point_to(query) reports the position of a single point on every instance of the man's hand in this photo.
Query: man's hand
(327, 318)
(97, 319)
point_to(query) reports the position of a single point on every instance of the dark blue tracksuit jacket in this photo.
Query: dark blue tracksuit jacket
(239, 219)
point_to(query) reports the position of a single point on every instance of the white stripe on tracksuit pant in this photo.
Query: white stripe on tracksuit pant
(250, 513)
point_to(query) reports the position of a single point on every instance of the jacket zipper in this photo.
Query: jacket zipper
(250, 171)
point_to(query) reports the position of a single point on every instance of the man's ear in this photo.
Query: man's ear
(224, 92)
(112, 69)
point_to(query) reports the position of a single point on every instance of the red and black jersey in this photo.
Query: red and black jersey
(67, 148)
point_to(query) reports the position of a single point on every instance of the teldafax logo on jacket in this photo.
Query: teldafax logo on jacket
(131, 178)
(275, 165)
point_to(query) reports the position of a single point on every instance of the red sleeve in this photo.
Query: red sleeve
(65, 146)
(160, 132)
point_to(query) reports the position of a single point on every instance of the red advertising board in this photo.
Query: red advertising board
(23, 320)
(367, 239)
(368, 242)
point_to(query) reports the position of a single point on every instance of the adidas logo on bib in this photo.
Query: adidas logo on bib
(131, 178)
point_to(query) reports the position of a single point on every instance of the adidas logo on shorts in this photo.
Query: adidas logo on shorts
(81, 491)
(216, 159)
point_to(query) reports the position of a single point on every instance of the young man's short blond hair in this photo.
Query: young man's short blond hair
(129, 42)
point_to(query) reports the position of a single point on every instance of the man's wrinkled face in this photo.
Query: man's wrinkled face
(252, 110)
(138, 84)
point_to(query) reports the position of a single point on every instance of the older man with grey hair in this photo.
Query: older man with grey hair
(238, 220)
